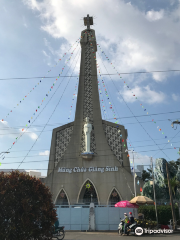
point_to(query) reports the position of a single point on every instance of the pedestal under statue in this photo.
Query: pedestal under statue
(87, 132)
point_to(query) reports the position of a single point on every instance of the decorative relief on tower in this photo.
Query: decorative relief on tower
(63, 138)
(114, 140)
(88, 101)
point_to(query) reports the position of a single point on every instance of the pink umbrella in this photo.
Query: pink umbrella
(126, 204)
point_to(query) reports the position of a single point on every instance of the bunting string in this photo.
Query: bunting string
(134, 95)
(108, 98)
(28, 126)
(37, 84)
(53, 110)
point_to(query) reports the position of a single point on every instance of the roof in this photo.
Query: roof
(10, 170)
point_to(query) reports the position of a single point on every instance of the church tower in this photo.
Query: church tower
(103, 175)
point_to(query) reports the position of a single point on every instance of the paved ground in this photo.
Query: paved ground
(114, 236)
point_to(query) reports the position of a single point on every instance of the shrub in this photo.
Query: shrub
(26, 207)
(164, 213)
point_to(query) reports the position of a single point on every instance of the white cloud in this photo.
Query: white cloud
(175, 97)
(45, 153)
(48, 45)
(4, 122)
(24, 22)
(48, 58)
(141, 45)
(33, 136)
(45, 54)
(5, 130)
(29, 133)
(144, 94)
(155, 15)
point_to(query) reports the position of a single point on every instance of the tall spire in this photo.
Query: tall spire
(69, 142)
(88, 104)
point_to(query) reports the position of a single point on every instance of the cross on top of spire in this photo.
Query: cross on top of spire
(88, 21)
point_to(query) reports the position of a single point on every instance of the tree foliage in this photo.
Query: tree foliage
(149, 192)
(174, 184)
(164, 213)
(26, 207)
(147, 175)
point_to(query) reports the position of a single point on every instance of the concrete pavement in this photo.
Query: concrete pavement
(114, 235)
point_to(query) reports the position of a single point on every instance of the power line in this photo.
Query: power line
(152, 114)
(52, 112)
(75, 157)
(39, 112)
(26, 78)
(132, 111)
(97, 150)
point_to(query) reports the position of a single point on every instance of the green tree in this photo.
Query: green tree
(174, 184)
(26, 207)
(146, 175)
(149, 192)
(173, 167)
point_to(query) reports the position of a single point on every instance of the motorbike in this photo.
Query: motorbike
(130, 228)
(121, 227)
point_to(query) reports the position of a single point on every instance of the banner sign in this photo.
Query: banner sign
(90, 169)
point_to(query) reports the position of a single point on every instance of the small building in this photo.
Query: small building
(32, 173)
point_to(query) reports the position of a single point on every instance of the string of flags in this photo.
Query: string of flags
(24, 130)
(102, 102)
(104, 87)
(37, 84)
(49, 117)
(74, 95)
(136, 97)
(107, 95)
(47, 94)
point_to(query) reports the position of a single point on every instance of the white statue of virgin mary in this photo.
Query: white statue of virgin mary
(87, 132)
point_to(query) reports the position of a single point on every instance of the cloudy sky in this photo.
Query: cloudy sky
(137, 36)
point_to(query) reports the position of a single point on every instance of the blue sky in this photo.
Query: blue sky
(135, 36)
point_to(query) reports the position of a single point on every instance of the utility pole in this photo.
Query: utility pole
(171, 198)
(134, 177)
(133, 171)
(154, 190)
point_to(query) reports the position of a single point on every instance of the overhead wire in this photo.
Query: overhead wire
(158, 71)
(110, 119)
(50, 115)
(131, 110)
(1, 156)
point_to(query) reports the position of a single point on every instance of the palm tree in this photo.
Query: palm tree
(174, 184)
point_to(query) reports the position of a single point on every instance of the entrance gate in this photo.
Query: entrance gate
(108, 217)
(73, 217)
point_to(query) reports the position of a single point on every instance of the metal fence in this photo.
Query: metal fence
(76, 217)
(73, 217)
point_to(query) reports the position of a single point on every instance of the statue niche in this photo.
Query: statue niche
(87, 154)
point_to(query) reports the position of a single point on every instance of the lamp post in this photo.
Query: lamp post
(152, 182)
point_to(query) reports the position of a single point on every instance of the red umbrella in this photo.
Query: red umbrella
(126, 204)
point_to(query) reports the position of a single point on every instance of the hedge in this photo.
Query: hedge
(164, 213)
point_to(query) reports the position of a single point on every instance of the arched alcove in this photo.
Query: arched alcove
(114, 197)
(88, 193)
(62, 198)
